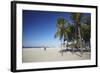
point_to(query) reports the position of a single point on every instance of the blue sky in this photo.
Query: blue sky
(39, 28)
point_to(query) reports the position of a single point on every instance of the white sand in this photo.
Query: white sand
(51, 54)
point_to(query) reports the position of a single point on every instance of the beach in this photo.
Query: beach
(50, 54)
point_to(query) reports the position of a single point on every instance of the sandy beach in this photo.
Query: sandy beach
(50, 54)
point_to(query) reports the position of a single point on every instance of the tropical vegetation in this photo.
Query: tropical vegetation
(77, 31)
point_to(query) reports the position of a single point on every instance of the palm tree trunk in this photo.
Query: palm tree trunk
(76, 38)
(80, 39)
(67, 45)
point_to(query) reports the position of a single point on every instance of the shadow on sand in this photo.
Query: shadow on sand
(74, 51)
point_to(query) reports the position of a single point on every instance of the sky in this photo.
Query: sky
(39, 28)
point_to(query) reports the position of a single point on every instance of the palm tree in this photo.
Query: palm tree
(76, 18)
(61, 22)
(74, 31)
(85, 30)
(65, 30)
(69, 30)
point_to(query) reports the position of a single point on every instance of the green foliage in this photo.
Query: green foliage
(76, 17)
(70, 32)
(76, 31)
(60, 22)
(61, 26)
(86, 20)
(85, 31)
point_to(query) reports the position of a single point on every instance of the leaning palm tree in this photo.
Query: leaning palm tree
(65, 31)
(60, 29)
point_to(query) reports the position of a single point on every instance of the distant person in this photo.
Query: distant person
(45, 48)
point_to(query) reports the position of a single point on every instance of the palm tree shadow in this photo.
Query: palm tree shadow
(75, 51)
